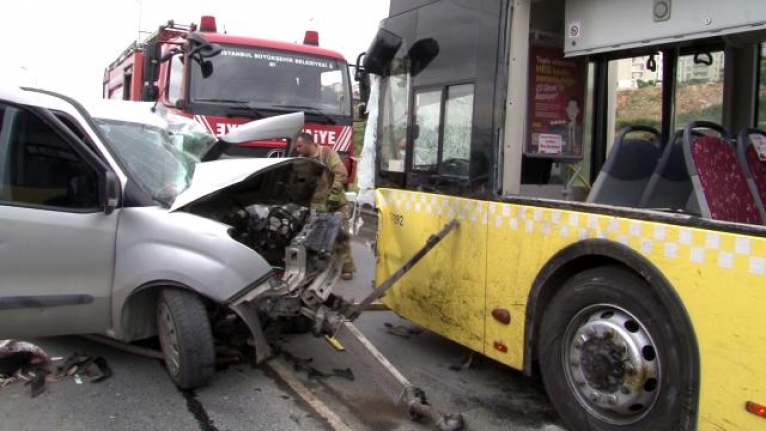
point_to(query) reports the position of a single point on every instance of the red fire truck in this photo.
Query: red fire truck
(223, 81)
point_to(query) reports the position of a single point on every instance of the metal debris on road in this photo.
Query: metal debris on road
(21, 361)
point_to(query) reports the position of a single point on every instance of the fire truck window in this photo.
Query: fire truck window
(427, 116)
(458, 118)
(762, 89)
(175, 79)
(332, 90)
(37, 167)
(273, 79)
(394, 116)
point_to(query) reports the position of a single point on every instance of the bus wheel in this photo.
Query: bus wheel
(611, 359)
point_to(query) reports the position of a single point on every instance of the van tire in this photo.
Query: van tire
(611, 359)
(185, 337)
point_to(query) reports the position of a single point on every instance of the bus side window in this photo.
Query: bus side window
(395, 116)
(458, 119)
(428, 111)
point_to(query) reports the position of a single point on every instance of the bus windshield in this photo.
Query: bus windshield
(271, 79)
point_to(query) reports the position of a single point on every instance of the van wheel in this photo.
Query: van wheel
(611, 357)
(185, 337)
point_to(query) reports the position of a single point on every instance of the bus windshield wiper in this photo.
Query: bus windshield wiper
(237, 105)
(309, 109)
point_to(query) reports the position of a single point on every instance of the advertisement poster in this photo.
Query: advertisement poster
(556, 104)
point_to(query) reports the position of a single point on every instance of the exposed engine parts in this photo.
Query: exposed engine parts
(268, 229)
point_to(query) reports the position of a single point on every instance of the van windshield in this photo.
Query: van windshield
(151, 158)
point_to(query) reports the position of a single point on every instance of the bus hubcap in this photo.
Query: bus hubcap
(613, 366)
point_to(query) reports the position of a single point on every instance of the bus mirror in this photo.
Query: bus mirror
(151, 62)
(421, 54)
(381, 51)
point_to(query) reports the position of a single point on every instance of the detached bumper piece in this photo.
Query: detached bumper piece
(391, 381)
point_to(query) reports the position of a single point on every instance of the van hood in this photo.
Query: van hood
(243, 182)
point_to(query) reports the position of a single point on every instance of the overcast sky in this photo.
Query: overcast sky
(65, 45)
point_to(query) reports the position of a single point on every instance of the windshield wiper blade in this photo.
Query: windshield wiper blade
(238, 105)
(310, 109)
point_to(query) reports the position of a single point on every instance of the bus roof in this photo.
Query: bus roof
(272, 44)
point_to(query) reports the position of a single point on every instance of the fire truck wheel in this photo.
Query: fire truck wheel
(185, 337)
(612, 359)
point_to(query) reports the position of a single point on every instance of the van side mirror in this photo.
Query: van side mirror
(111, 192)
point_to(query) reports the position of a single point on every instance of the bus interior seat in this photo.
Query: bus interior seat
(754, 167)
(719, 181)
(670, 187)
(628, 169)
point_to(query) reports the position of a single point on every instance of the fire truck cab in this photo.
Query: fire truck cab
(224, 81)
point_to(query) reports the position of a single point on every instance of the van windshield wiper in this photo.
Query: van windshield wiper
(309, 109)
(237, 105)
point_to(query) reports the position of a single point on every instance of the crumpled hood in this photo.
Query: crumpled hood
(252, 181)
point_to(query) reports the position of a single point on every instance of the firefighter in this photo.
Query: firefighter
(336, 200)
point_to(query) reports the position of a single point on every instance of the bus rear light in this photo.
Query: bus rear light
(500, 347)
(207, 24)
(311, 38)
(756, 409)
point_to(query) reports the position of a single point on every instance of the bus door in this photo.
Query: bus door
(434, 155)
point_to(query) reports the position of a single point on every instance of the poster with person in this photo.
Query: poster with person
(556, 104)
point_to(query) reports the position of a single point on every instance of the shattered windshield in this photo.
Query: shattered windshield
(273, 79)
(151, 158)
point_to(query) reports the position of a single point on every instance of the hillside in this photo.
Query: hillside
(694, 102)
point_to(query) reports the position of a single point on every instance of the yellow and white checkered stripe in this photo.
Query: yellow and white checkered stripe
(727, 251)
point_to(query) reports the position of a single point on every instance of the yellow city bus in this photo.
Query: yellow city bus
(610, 212)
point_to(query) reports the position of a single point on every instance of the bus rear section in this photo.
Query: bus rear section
(606, 183)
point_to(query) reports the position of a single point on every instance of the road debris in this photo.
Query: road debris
(470, 360)
(402, 330)
(21, 361)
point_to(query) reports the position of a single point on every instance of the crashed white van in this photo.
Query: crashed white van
(106, 227)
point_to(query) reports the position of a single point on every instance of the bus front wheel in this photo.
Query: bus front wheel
(611, 358)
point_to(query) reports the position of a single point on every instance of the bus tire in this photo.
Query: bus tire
(185, 337)
(610, 358)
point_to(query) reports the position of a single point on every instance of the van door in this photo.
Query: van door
(57, 247)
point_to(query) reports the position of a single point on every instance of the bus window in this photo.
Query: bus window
(458, 118)
(699, 88)
(638, 98)
(762, 89)
(427, 119)
(394, 115)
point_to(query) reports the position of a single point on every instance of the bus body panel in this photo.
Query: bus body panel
(446, 290)
(493, 259)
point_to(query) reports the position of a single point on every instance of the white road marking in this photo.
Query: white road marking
(282, 370)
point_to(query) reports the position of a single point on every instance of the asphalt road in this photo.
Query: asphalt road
(141, 397)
